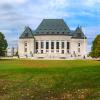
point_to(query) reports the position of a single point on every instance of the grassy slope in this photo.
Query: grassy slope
(49, 80)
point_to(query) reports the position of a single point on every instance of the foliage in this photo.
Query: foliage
(95, 52)
(3, 45)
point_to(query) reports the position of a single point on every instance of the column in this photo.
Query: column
(54, 46)
(49, 46)
(59, 46)
(65, 46)
(44, 46)
(39, 46)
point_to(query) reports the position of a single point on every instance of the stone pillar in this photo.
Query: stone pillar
(59, 46)
(44, 47)
(39, 46)
(65, 47)
(49, 46)
(54, 46)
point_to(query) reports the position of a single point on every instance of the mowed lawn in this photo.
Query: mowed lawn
(49, 80)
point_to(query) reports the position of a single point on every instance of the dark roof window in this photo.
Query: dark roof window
(63, 32)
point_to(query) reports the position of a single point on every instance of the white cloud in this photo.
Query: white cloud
(15, 14)
(14, 2)
(91, 2)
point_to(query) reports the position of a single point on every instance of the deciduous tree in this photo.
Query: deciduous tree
(3, 44)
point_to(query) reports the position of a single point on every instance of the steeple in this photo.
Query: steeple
(28, 33)
(78, 33)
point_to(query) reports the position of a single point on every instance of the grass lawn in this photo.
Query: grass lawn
(49, 80)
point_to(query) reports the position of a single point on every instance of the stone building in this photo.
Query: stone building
(52, 39)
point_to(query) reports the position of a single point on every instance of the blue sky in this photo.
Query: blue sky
(16, 14)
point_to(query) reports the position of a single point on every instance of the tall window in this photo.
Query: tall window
(47, 45)
(78, 44)
(62, 45)
(62, 51)
(57, 45)
(79, 50)
(52, 45)
(41, 51)
(68, 45)
(25, 49)
(42, 45)
(36, 45)
(25, 44)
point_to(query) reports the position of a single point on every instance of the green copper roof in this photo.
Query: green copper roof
(78, 33)
(52, 27)
(28, 33)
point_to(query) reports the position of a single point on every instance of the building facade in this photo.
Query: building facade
(12, 51)
(52, 39)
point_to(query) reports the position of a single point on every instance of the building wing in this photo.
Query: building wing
(28, 33)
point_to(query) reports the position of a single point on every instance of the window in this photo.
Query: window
(36, 51)
(79, 44)
(41, 51)
(36, 45)
(68, 51)
(63, 32)
(52, 50)
(25, 43)
(52, 45)
(47, 50)
(47, 45)
(57, 45)
(57, 50)
(42, 44)
(62, 51)
(25, 49)
(79, 50)
(62, 45)
(68, 45)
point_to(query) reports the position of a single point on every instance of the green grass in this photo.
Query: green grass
(49, 80)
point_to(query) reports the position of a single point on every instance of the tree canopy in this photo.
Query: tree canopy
(95, 50)
(3, 44)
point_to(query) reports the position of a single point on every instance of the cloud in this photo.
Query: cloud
(91, 2)
(16, 14)
(13, 1)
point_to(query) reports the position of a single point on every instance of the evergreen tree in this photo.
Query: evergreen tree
(95, 50)
(3, 44)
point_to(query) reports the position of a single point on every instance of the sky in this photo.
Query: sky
(16, 14)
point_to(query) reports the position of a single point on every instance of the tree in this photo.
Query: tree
(95, 50)
(3, 44)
